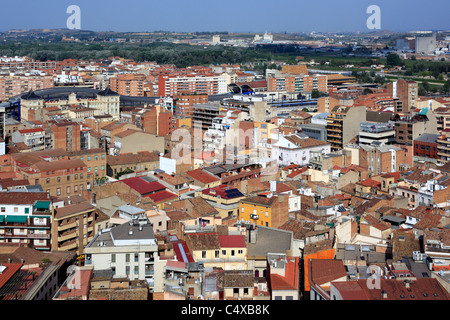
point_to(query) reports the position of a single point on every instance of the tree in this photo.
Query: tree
(315, 94)
(393, 60)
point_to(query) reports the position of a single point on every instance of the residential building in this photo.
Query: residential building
(296, 149)
(128, 84)
(26, 218)
(376, 133)
(199, 84)
(130, 251)
(74, 223)
(283, 277)
(383, 158)
(425, 146)
(341, 127)
(443, 147)
(266, 210)
(406, 91)
(130, 162)
(95, 160)
(224, 199)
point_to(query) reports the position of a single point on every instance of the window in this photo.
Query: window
(89, 158)
(136, 257)
(224, 252)
(127, 270)
(3, 209)
(58, 191)
(68, 190)
(127, 257)
(136, 270)
(16, 210)
(216, 254)
(242, 209)
(232, 253)
(203, 254)
(96, 158)
(113, 257)
(27, 210)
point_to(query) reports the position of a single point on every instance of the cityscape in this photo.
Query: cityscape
(222, 164)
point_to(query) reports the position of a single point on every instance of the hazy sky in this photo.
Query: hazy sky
(232, 16)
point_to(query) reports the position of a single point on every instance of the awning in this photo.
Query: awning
(42, 205)
(2, 218)
(423, 111)
(17, 219)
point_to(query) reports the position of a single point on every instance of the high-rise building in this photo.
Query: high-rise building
(128, 84)
(406, 91)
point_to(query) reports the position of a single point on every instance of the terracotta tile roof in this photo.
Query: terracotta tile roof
(202, 207)
(428, 221)
(232, 241)
(73, 209)
(291, 276)
(419, 289)
(161, 196)
(9, 270)
(305, 143)
(234, 279)
(131, 158)
(374, 222)
(22, 197)
(202, 176)
(202, 241)
(326, 270)
(142, 186)
(60, 164)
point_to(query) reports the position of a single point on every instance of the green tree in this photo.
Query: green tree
(393, 60)
(315, 94)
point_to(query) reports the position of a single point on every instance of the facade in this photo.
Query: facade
(199, 84)
(128, 84)
(341, 126)
(13, 85)
(406, 91)
(26, 218)
(265, 210)
(130, 251)
(443, 147)
(95, 160)
(296, 149)
(425, 146)
(297, 83)
(73, 224)
(382, 159)
(376, 132)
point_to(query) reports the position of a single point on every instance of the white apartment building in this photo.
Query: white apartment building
(130, 250)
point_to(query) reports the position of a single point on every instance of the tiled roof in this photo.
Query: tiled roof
(290, 279)
(203, 241)
(22, 197)
(142, 186)
(232, 241)
(202, 176)
(130, 158)
(326, 270)
(161, 196)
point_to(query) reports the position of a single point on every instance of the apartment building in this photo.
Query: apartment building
(406, 91)
(224, 199)
(297, 83)
(382, 159)
(443, 147)
(25, 218)
(52, 169)
(183, 103)
(214, 250)
(376, 132)
(13, 85)
(68, 135)
(265, 209)
(130, 251)
(341, 126)
(73, 224)
(95, 160)
(425, 146)
(34, 138)
(192, 83)
(128, 84)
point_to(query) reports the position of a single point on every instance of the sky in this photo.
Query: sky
(231, 16)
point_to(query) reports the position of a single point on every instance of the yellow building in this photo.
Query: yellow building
(227, 252)
(265, 209)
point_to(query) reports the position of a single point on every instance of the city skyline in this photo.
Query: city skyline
(252, 17)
